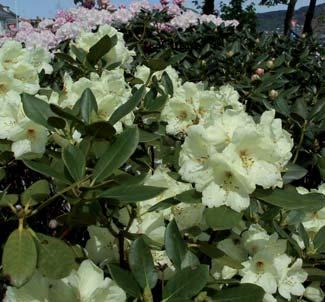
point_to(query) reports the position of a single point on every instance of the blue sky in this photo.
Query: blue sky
(47, 8)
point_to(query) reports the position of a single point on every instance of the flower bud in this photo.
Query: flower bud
(259, 71)
(229, 53)
(53, 224)
(270, 64)
(273, 94)
(255, 77)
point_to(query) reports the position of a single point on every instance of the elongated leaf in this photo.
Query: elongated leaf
(8, 199)
(142, 265)
(168, 84)
(37, 192)
(46, 170)
(294, 172)
(165, 204)
(75, 161)
(319, 241)
(86, 105)
(36, 109)
(101, 129)
(290, 199)
(129, 106)
(117, 154)
(186, 284)
(190, 196)
(125, 280)
(101, 48)
(222, 218)
(19, 257)
(132, 193)
(241, 293)
(55, 258)
(174, 244)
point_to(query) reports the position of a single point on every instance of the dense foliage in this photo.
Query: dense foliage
(155, 164)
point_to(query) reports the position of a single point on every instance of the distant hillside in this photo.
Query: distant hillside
(273, 21)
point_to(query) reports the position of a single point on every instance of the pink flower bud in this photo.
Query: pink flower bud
(259, 71)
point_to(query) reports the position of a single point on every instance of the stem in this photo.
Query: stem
(51, 199)
(303, 131)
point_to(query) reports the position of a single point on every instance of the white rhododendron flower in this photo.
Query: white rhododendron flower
(35, 290)
(314, 293)
(313, 221)
(85, 285)
(110, 90)
(193, 104)
(269, 266)
(152, 223)
(118, 54)
(142, 72)
(228, 157)
(102, 245)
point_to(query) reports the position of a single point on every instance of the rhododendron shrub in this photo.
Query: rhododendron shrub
(123, 181)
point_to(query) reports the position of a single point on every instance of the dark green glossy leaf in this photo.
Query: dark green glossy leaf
(19, 257)
(129, 106)
(186, 283)
(75, 161)
(125, 280)
(241, 293)
(222, 218)
(132, 193)
(141, 264)
(117, 154)
(100, 49)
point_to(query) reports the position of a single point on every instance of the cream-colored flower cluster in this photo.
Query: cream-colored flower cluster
(110, 90)
(264, 262)
(19, 73)
(226, 153)
(118, 54)
(87, 284)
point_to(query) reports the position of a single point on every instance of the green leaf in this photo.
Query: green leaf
(190, 196)
(46, 170)
(87, 104)
(146, 136)
(141, 264)
(241, 293)
(36, 109)
(36, 193)
(19, 257)
(174, 244)
(132, 193)
(165, 204)
(56, 122)
(303, 234)
(125, 280)
(101, 130)
(168, 84)
(156, 104)
(56, 259)
(157, 64)
(117, 154)
(300, 108)
(319, 241)
(294, 172)
(290, 199)
(75, 161)
(129, 106)
(100, 49)
(222, 218)
(186, 283)
(8, 199)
